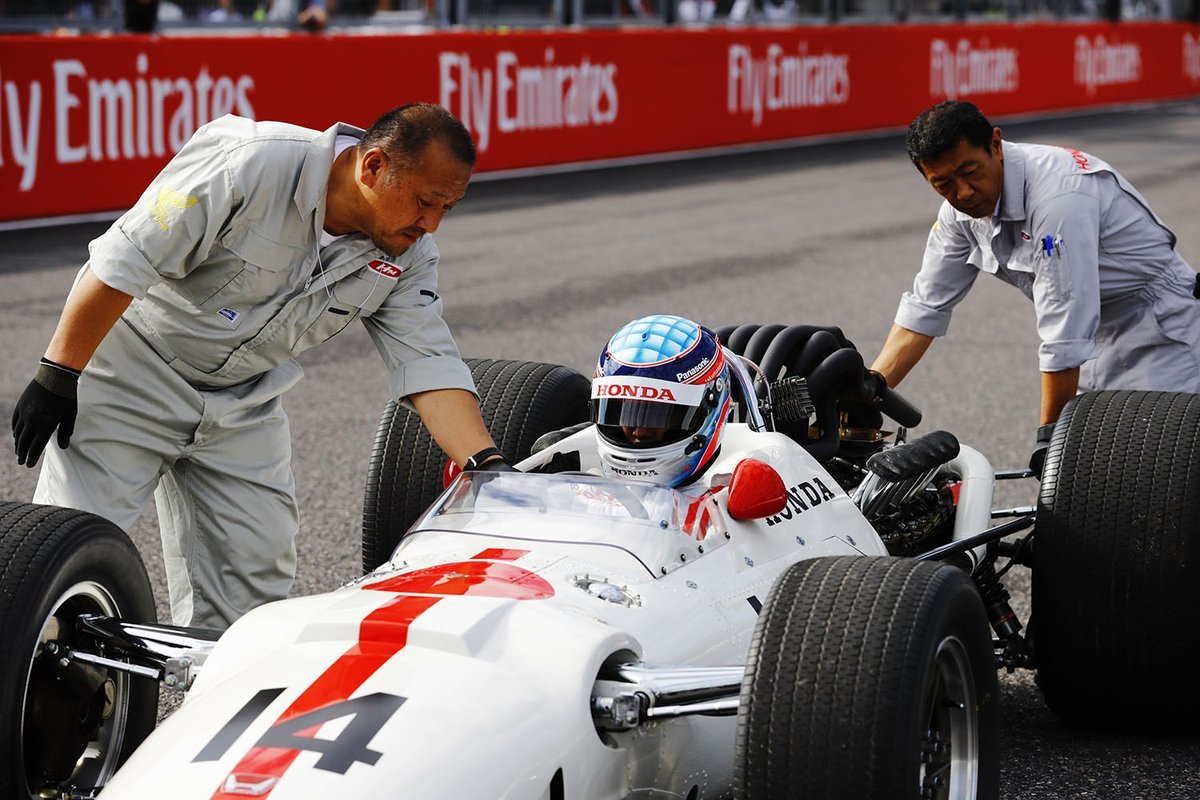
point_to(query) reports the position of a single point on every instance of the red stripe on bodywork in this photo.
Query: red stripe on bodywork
(500, 554)
(382, 634)
(694, 509)
(469, 578)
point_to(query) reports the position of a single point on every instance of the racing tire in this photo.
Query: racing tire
(55, 564)
(869, 678)
(520, 401)
(1116, 562)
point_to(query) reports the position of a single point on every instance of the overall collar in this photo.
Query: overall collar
(313, 185)
(1012, 196)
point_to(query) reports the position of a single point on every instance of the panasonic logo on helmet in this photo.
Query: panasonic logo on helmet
(696, 370)
(663, 395)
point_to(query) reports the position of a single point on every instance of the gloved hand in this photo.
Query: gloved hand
(490, 459)
(49, 402)
(875, 383)
(1038, 459)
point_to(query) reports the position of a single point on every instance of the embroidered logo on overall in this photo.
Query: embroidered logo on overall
(385, 269)
(167, 202)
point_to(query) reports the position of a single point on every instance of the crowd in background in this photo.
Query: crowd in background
(64, 16)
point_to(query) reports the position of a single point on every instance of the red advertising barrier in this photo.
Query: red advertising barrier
(86, 122)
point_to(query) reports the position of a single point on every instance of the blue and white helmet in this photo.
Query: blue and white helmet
(660, 399)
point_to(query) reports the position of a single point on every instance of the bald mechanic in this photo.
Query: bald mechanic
(164, 376)
(1116, 304)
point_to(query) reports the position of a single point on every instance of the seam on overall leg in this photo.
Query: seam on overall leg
(198, 593)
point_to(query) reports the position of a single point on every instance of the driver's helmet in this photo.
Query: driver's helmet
(660, 399)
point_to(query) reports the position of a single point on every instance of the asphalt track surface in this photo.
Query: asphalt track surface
(545, 268)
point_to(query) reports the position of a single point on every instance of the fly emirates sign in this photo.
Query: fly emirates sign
(777, 80)
(94, 118)
(512, 95)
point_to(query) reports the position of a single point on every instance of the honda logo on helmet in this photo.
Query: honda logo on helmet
(633, 392)
(650, 390)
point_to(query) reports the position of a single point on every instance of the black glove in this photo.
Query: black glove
(47, 403)
(1038, 459)
(875, 384)
(489, 459)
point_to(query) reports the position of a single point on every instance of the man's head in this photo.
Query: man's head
(660, 399)
(959, 152)
(413, 165)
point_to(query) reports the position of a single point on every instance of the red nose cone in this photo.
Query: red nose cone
(451, 472)
(756, 491)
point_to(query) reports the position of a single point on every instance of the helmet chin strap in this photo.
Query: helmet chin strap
(698, 442)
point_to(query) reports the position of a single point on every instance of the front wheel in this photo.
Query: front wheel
(65, 723)
(870, 678)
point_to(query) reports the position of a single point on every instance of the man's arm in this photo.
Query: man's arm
(91, 310)
(1057, 389)
(453, 420)
(901, 352)
(49, 402)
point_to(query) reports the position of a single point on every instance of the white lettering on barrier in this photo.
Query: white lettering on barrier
(474, 90)
(1191, 57)
(527, 97)
(1099, 63)
(23, 126)
(966, 69)
(115, 118)
(781, 81)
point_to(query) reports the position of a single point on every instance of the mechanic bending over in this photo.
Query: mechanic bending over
(257, 241)
(1116, 304)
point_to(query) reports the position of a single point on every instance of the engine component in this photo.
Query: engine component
(924, 522)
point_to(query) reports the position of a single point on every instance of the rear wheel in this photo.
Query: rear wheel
(65, 723)
(869, 678)
(1116, 576)
(519, 400)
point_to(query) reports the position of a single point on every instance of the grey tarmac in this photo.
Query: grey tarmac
(546, 268)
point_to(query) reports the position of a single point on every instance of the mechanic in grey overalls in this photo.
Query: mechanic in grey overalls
(256, 242)
(1116, 304)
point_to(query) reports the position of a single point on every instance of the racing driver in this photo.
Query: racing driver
(661, 396)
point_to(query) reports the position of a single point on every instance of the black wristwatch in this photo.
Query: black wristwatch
(486, 454)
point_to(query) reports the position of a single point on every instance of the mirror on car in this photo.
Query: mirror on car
(756, 491)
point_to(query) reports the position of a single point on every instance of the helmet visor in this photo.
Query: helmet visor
(639, 423)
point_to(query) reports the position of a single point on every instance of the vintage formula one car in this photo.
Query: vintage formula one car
(822, 617)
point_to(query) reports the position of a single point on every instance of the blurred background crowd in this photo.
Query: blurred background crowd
(68, 16)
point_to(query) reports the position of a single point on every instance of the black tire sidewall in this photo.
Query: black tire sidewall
(84, 549)
(1116, 556)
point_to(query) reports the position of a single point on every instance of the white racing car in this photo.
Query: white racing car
(822, 617)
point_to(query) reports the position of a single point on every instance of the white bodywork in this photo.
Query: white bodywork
(485, 690)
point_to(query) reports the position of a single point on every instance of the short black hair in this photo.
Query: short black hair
(404, 133)
(938, 130)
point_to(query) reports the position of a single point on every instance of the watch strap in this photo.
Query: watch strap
(486, 454)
